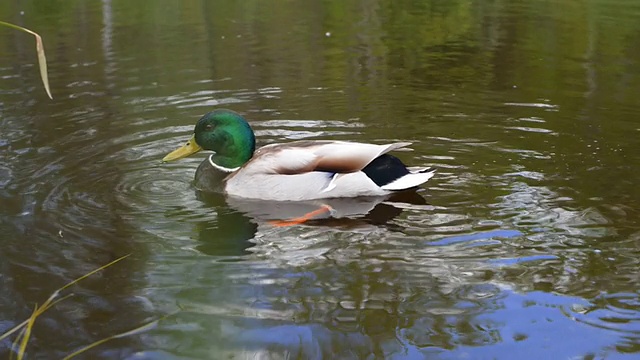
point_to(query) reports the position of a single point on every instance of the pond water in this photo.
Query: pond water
(526, 243)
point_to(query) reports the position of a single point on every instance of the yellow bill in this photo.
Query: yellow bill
(191, 147)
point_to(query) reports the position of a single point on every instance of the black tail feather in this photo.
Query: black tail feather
(385, 169)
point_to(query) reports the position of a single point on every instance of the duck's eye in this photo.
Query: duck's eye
(208, 127)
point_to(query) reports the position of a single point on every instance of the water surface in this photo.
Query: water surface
(524, 245)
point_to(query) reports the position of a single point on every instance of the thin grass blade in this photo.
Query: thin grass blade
(13, 329)
(93, 272)
(42, 59)
(27, 325)
(138, 330)
(17, 340)
(27, 333)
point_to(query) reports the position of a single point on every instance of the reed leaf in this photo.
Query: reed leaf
(42, 59)
(26, 326)
(138, 330)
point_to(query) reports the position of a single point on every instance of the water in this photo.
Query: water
(524, 245)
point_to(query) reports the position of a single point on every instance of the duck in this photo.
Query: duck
(294, 171)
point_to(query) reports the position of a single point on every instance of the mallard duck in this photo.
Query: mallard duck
(295, 171)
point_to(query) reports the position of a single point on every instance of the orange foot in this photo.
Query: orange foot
(302, 219)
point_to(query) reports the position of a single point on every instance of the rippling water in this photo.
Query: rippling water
(524, 245)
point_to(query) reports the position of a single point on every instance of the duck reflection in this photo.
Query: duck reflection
(238, 219)
(230, 235)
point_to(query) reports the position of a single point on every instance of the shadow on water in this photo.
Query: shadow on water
(233, 231)
(350, 315)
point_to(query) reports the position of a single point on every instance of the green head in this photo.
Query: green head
(226, 133)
